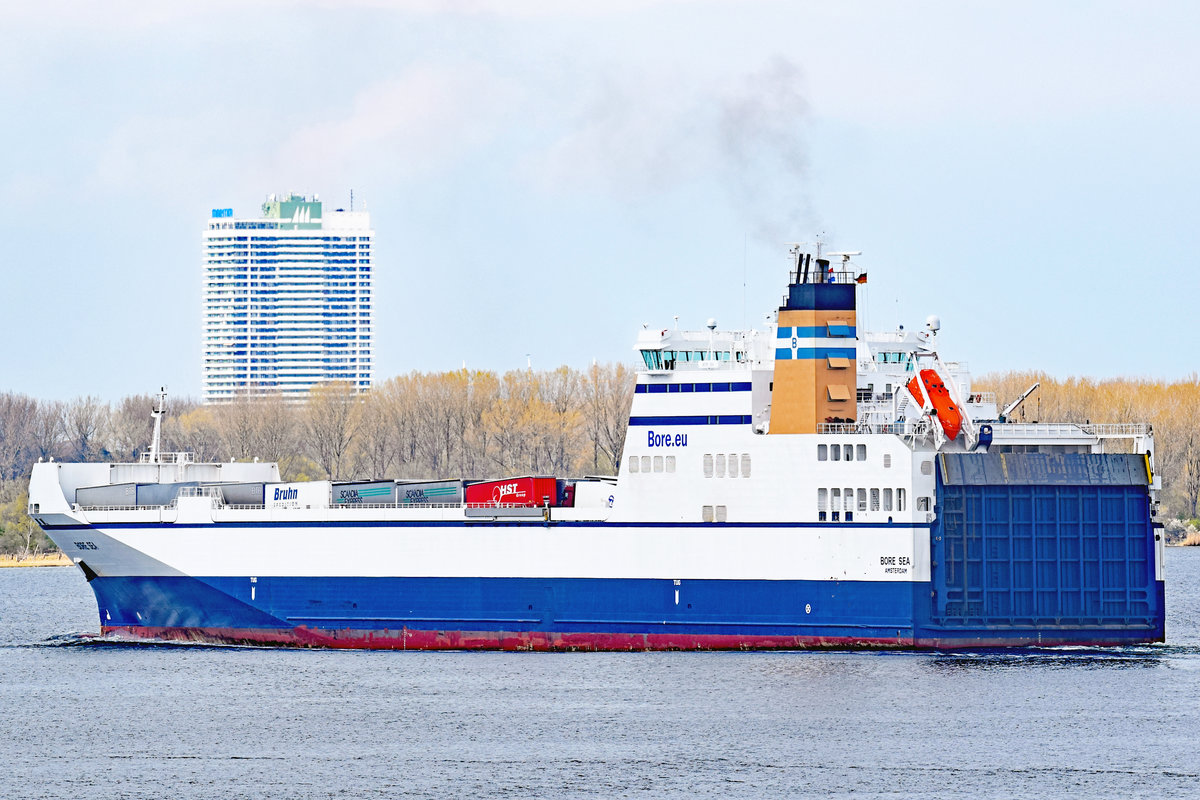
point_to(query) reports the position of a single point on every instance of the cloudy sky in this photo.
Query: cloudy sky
(544, 177)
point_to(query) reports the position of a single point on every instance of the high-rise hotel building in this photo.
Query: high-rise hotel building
(287, 300)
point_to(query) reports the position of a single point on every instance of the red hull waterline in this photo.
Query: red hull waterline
(537, 641)
(546, 642)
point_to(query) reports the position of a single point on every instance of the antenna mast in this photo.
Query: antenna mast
(157, 412)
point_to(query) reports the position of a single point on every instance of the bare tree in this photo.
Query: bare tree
(130, 427)
(484, 388)
(236, 426)
(378, 436)
(560, 390)
(18, 440)
(50, 428)
(274, 430)
(332, 418)
(512, 423)
(607, 394)
(195, 431)
(85, 421)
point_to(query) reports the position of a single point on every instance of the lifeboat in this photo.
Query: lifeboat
(944, 408)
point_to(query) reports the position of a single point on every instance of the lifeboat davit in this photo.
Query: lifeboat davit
(948, 414)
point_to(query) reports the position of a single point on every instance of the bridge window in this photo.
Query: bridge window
(733, 465)
(653, 359)
(720, 465)
(708, 465)
(862, 452)
(745, 465)
(670, 463)
(835, 452)
(645, 463)
(633, 463)
(658, 463)
(887, 499)
(822, 452)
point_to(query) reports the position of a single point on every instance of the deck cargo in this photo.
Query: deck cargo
(527, 491)
(117, 494)
(429, 492)
(242, 494)
(161, 494)
(358, 493)
(305, 494)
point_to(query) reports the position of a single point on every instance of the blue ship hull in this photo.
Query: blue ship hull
(575, 614)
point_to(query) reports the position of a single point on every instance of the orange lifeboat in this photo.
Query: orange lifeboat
(948, 414)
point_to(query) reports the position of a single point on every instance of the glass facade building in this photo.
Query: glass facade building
(287, 300)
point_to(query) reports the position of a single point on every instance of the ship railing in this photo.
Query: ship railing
(260, 506)
(912, 428)
(434, 505)
(344, 506)
(981, 398)
(201, 491)
(818, 275)
(166, 458)
(77, 507)
(341, 506)
(1040, 430)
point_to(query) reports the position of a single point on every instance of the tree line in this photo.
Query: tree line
(480, 424)
(460, 424)
(1171, 407)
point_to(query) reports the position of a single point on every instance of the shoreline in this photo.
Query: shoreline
(39, 560)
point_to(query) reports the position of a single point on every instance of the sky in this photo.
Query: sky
(546, 177)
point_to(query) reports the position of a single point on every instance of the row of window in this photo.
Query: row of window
(285, 380)
(667, 359)
(300, 329)
(665, 388)
(281, 286)
(847, 452)
(283, 258)
(720, 465)
(324, 312)
(851, 452)
(280, 364)
(838, 504)
(226, 335)
(655, 464)
(863, 499)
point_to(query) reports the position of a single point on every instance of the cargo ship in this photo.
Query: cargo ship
(801, 485)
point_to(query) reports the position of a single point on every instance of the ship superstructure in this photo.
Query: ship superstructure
(805, 484)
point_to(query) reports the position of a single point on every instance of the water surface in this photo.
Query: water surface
(94, 719)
